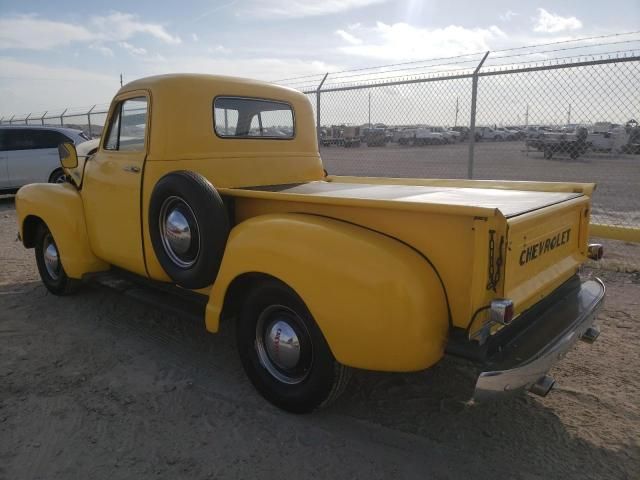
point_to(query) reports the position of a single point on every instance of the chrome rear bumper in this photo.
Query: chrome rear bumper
(523, 362)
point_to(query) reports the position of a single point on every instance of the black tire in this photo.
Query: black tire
(316, 379)
(54, 278)
(58, 176)
(199, 203)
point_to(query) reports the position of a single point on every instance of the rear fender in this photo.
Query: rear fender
(379, 303)
(59, 206)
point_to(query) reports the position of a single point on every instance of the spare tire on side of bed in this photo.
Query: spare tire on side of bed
(189, 227)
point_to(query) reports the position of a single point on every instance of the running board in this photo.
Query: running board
(166, 297)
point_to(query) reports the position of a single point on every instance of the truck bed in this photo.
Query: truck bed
(510, 203)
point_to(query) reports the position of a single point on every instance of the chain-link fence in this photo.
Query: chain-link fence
(90, 120)
(572, 120)
(568, 120)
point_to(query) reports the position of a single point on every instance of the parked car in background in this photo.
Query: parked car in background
(571, 143)
(450, 136)
(488, 133)
(463, 131)
(30, 154)
(427, 136)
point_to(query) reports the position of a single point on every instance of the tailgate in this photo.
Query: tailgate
(544, 248)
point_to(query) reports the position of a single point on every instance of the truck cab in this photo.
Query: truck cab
(215, 186)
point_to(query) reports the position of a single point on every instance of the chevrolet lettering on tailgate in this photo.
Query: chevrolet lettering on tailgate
(534, 251)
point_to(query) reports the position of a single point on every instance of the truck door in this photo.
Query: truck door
(112, 184)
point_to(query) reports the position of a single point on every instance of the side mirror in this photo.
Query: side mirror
(68, 155)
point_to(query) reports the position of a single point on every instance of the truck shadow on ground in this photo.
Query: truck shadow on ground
(143, 354)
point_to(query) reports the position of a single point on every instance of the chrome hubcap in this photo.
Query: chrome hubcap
(283, 344)
(51, 257)
(179, 232)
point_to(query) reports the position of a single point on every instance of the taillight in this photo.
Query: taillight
(595, 251)
(501, 311)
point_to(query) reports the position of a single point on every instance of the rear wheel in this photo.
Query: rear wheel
(50, 265)
(284, 352)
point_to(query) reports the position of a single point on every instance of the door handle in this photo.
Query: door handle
(131, 168)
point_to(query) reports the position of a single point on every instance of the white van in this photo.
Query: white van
(30, 154)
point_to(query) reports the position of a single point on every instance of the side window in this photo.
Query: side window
(128, 126)
(20, 139)
(48, 138)
(238, 117)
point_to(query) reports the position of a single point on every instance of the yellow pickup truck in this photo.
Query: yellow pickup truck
(214, 186)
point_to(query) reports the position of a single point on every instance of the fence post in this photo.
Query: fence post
(89, 120)
(318, 108)
(11, 120)
(26, 120)
(62, 117)
(472, 125)
(42, 117)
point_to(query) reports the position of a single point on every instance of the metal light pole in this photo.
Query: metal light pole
(569, 115)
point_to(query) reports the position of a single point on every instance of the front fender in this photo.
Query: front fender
(379, 303)
(60, 207)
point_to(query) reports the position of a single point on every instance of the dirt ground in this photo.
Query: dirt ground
(99, 386)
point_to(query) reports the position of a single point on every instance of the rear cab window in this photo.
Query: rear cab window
(240, 117)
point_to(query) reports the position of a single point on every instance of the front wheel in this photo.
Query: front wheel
(284, 352)
(58, 176)
(50, 266)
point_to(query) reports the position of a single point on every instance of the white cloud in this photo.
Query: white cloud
(402, 41)
(219, 49)
(35, 33)
(508, 15)
(347, 37)
(302, 8)
(106, 51)
(122, 26)
(133, 50)
(37, 88)
(31, 32)
(548, 22)
(194, 37)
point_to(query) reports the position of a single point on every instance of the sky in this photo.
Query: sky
(62, 54)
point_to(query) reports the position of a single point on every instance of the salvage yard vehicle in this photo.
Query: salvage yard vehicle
(574, 144)
(352, 136)
(29, 154)
(488, 133)
(320, 274)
